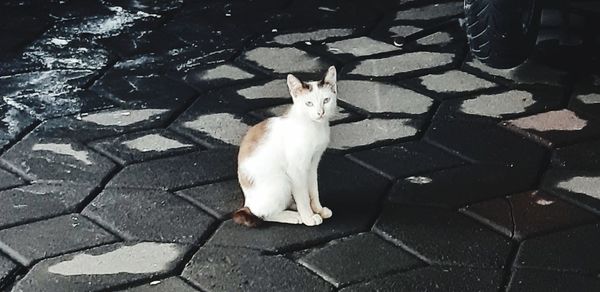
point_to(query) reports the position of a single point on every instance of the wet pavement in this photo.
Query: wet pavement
(120, 121)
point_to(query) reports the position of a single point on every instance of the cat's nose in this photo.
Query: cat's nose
(321, 113)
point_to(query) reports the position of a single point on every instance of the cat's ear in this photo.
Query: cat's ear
(330, 78)
(295, 85)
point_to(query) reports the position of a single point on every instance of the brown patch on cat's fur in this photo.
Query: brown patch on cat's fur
(248, 145)
(245, 217)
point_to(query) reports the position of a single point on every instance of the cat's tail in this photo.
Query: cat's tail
(244, 217)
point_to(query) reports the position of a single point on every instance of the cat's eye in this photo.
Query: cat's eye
(309, 103)
(326, 100)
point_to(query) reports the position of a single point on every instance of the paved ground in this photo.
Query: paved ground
(120, 120)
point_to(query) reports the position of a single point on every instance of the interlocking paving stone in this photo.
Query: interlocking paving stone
(432, 11)
(8, 180)
(541, 280)
(13, 122)
(530, 72)
(285, 60)
(376, 97)
(412, 63)
(458, 186)
(403, 30)
(406, 159)
(230, 269)
(495, 144)
(331, 262)
(580, 187)
(573, 250)
(443, 237)
(97, 125)
(219, 199)
(142, 146)
(503, 105)
(556, 128)
(360, 47)
(150, 91)
(454, 83)
(435, 279)
(178, 171)
(273, 89)
(42, 239)
(353, 203)
(366, 132)
(50, 93)
(44, 159)
(586, 96)
(315, 35)
(438, 38)
(215, 76)
(155, 216)
(169, 284)
(40, 200)
(527, 214)
(7, 267)
(103, 267)
(581, 156)
(214, 129)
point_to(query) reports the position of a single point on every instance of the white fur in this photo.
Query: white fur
(283, 166)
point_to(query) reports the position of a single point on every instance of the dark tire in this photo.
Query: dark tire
(501, 33)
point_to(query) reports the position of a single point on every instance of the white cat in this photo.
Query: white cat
(278, 158)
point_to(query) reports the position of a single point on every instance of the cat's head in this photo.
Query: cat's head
(316, 99)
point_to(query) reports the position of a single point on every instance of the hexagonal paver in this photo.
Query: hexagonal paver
(360, 47)
(403, 30)
(273, 89)
(12, 124)
(169, 284)
(503, 105)
(103, 267)
(435, 278)
(347, 260)
(581, 156)
(145, 91)
(436, 39)
(41, 200)
(217, 128)
(7, 268)
(229, 269)
(453, 83)
(523, 280)
(285, 60)
(530, 72)
(93, 126)
(156, 215)
(586, 95)
(179, 171)
(219, 199)
(443, 237)
(527, 214)
(142, 146)
(406, 159)
(354, 205)
(376, 97)
(8, 180)
(366, 132)
(315, 35)
(42, 239)
(461, 185)
(50, 160)
(556, 127)
(412, 63)
(574, 250)
(579, 187)
(433, 11)
(223, 74)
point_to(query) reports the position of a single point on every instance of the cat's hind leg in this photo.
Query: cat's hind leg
(287, 216)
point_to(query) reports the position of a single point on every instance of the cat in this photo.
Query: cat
(279, 157)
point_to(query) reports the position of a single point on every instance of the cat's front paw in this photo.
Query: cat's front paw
(313, 220)
(326, 213)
